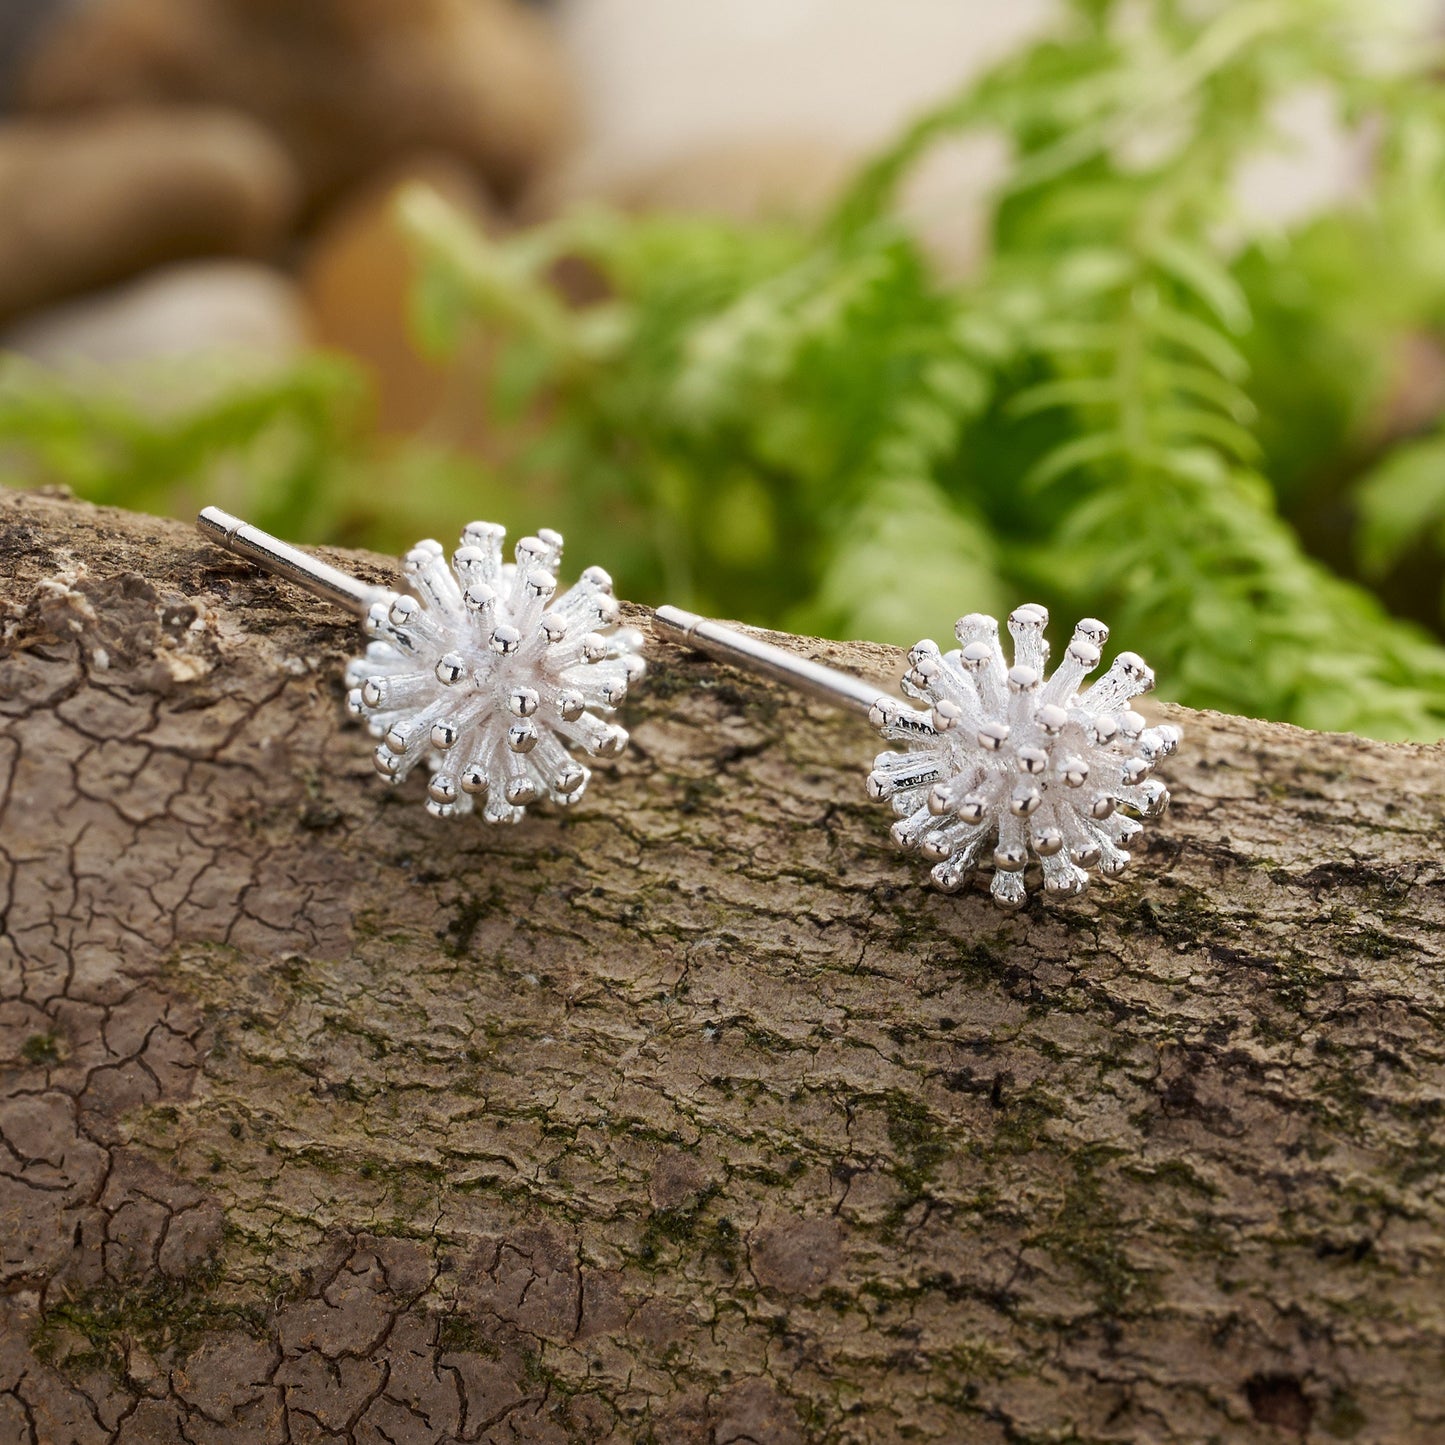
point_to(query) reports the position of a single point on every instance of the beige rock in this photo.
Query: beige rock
(350, 86)
(90, 201)
(747, 179)
(799, 177)
(239, 308)
(766, 108)
(357, 277)
(660, 80)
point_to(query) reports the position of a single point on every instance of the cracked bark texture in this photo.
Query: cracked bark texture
(689, 1116)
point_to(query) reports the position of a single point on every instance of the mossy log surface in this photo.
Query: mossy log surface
(689, 1116)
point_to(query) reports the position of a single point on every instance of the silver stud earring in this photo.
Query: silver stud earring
(999, 755)
(480, 668)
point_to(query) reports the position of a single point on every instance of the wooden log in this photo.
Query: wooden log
(690, 1115)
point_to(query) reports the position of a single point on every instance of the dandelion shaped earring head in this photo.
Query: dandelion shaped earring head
(1033, 765)
(489, 676)
(481, 670)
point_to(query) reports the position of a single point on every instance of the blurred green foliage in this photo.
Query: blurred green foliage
(1133, 408)
(266, 442)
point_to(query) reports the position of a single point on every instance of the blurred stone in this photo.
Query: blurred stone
(20, 22)
(660, 81)
(87, 202)
(942, 198)
(349, 86)
(357, 278)
(746, 180)
(763, 108)
(239, 308)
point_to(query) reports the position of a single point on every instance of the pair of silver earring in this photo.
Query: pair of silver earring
(497, 680)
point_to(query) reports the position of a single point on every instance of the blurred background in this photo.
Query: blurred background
(833, 315)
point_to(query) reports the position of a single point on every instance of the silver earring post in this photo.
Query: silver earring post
(729, 645)
(281, 558)
(478, 669)
(1046, 770)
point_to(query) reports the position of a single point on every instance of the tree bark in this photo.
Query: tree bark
(691, 1115)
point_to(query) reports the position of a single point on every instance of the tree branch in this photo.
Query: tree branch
(690, 1115)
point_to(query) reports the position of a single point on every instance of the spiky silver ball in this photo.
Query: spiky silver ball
(1031, 765)
(485, 673)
